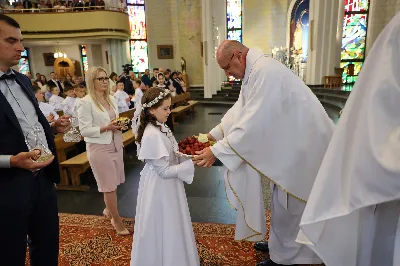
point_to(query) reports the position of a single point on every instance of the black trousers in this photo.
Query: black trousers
(35, 222)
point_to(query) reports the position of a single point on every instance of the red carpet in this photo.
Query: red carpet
(90, 240)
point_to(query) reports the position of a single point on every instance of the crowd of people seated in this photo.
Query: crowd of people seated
(56, 94)
(63, 6)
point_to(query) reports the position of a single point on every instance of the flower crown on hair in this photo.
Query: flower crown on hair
(157, 99)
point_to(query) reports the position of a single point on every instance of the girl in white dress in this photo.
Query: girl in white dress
(163, 234)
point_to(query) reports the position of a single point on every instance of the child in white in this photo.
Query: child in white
(47, 109)
(163, 228)
(138, 94)
(138, 105)
(56, 100)
(123, 99)
(69, 101)
(80, 92)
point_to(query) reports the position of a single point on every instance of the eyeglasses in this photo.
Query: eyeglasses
(103, 79)
(229, 63)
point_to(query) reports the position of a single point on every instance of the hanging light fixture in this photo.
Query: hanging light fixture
(59, 53)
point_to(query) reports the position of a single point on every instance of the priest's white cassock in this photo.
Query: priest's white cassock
(277, 130)
(352, 216)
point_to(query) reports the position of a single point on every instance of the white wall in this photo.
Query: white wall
(37, 60)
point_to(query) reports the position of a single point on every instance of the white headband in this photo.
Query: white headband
(157, 99)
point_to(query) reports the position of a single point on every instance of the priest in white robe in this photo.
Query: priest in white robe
(276, 130)
(352, 217)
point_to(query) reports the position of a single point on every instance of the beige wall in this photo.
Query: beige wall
(189, 21)
(177, 23)
(381, 12)
(264, 23)
(37, 60)
(158, 21)
(95, 53)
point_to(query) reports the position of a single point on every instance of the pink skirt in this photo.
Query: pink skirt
(107, 163)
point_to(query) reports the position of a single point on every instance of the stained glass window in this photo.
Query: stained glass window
(354, 38)
(23, 64)
(354, 35)
(139, 56)
(234, 14)
(356, 5)
(357, 69)
(135, 2)
(138, 40)
(234, 19)
(84, 60)
(235, 35)
(137, 22)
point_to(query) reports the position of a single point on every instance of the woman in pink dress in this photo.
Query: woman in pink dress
(103, 141)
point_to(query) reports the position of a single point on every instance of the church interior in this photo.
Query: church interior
(323, 42)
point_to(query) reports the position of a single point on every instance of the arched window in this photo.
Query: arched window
(23, 64)
(234, 20)
(84, 60)
(354, 38)
(138, 40)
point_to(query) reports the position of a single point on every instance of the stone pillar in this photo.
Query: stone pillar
(213, 32)
(118, 54)
(325, 28)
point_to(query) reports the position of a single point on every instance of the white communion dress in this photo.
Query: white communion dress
(163, 233)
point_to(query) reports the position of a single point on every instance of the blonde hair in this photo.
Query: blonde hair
(91, 75)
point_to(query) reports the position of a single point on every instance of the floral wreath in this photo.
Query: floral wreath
(157, 99)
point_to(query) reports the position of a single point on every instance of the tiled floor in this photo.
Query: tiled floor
(206, 195)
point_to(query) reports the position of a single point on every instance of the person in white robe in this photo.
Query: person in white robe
(69, 101)
(123, 99)
(352, 217)
(47, 109)
(163, 233)
(56, 100)
(137, 85)
(276, 130)
(80, 92)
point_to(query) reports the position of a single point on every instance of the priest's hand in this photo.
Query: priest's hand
(61, 124)
(210, 137)
(204, 158)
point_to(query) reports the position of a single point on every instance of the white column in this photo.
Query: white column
(324, 55)
(339, 32)
(175, 34)
(118, 54)
(212, 11)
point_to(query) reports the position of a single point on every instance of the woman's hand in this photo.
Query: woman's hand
(113, 127)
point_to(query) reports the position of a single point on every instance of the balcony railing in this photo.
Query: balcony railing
(75, 22)
(59, 9)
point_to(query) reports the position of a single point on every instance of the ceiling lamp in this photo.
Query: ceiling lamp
(59, 53)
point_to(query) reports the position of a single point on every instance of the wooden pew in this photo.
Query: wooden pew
(79, 164)
(61, 149)
(332, 81)
(177, 111)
